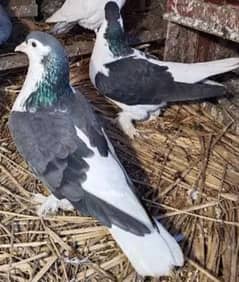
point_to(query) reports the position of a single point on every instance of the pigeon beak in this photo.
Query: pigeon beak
(21, 47)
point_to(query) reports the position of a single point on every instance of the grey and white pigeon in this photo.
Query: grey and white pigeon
(88, 14)
(5, 25)
(60, 137)
(141, 85)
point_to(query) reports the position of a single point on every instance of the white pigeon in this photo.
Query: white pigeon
(141, 85)
(60, 137)
(87, 13)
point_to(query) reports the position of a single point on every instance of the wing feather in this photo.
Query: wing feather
(48, 140)
(137, 81)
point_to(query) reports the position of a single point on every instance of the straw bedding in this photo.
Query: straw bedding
(186, 167)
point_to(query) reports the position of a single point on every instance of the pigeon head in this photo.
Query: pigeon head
(48, 73)
(39, 46)
(112, 11)
(113, 31)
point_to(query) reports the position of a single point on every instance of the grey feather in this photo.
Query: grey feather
(135, 81)
(47, 139)
(132, 78)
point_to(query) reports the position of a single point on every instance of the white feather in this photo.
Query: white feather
(154, 254)
(50, 204)
(196, 72)
(35, 73)
(101, 55)
(89, 14)
(138, 112)
(30, 85)
(107, 180)
(181, 72)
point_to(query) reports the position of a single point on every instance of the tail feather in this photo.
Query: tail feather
(191, 92)
(196, 72)
(172, 244)
(154, 254)
(218, 66)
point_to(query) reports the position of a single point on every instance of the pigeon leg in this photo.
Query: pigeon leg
(125, 122)
(50, 204)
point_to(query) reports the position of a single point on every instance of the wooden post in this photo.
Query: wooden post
(216, 17)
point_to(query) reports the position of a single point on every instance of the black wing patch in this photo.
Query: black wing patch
(136, 81)
(108, 215)
(48, 141)
(85, 119)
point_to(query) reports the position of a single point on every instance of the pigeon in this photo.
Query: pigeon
(88, 14)
(141, 85)
(5, 26)
(65, 145)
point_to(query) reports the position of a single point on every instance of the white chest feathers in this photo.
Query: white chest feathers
(34, 76)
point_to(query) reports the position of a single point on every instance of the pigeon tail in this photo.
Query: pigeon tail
(192, 92)
(196, 72)
(153, 254)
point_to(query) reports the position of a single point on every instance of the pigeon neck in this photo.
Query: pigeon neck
(115, 36)
(45, 84)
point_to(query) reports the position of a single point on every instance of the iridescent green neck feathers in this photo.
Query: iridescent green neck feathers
(53, 84)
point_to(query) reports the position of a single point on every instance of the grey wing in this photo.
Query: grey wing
(85, 119)
(49, 143)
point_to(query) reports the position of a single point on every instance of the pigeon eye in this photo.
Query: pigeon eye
(34, 44)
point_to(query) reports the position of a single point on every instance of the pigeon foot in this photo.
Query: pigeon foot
(126, 124)
(50, 204)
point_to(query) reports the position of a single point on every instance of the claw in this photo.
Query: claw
(130, 131)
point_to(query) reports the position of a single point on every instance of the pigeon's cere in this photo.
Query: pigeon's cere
(5, 25)
(88, 14)
(141, 85)
(62, 140)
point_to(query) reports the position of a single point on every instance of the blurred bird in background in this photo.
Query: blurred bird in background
(88, 14)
